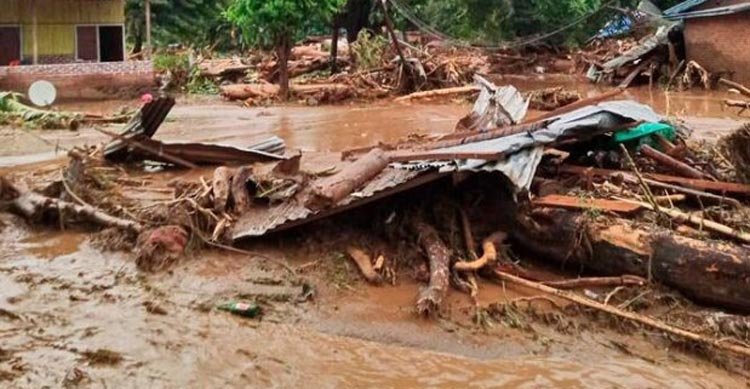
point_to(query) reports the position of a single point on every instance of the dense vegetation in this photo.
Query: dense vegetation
(201, 23)
(277, 24)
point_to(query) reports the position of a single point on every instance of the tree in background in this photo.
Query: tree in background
(278, 24)
(496, 21)
(195, 23)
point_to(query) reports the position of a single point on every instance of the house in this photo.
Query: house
(78, 45)
(717, 35)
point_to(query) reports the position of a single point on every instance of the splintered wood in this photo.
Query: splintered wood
(431, 297)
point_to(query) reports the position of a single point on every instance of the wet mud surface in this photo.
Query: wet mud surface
(72, 315)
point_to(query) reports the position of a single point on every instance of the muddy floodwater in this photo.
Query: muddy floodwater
(72, 315)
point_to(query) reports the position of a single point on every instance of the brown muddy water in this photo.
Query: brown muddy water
(62, 299)
(336, 128)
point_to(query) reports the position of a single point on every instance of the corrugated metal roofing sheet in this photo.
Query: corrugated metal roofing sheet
(712, 12)
(262, 220)
(524, 150)
(684, 6)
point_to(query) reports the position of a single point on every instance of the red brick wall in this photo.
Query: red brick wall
(83, 80)
(720, 44)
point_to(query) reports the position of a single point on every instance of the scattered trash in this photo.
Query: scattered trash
(248, 310)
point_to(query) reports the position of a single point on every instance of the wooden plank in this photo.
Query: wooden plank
(711, 186)
(570, 202)
(427, 155)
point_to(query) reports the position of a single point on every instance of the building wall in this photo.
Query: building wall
(721, 44)
(84, 80)
(56, 21)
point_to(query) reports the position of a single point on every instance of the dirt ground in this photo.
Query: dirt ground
(72, 315)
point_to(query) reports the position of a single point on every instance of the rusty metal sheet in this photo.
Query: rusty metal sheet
(263, 220)
(143, 124)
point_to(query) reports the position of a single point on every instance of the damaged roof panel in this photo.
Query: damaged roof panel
(520, 167)
(262, 220)
(712, 12)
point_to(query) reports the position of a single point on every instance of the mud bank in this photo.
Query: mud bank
(65, 303)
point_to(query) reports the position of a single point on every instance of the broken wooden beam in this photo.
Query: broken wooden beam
(571, 202)
(712, 186)
(330, 190)
(672, 164)
(437, 155)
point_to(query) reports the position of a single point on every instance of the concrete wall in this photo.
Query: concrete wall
(56, 21)
(721, 44)
(84, 80)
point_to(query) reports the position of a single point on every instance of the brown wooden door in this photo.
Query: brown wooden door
(10, 45)
(87, 43)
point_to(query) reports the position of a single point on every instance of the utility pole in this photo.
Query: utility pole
(34, 33)
(147, 10)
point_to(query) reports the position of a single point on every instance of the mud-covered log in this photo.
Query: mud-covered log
(709, 272)
(431, 297)
(716, 273)
(331, 190)
(247, 91)
(34, 206)
(240, 193)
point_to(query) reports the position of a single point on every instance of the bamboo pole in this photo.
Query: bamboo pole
(653, 323)
(147, 10)
(698, 221)
(34, 32)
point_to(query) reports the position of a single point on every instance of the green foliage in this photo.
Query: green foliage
(193, 23)
(497, 21)
(369, 49)
(265, 23)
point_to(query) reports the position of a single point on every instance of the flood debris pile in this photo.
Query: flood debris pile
(607, 191)
(14, 112)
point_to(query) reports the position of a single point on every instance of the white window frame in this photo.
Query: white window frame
(98, 39)
(20, 38)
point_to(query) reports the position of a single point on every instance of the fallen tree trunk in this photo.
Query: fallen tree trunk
(430, 298)
(330, 190)
(247, 91)
(33, 206)
(707, 271)
(322, 92)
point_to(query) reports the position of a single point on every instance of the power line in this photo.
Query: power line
(410, 15)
